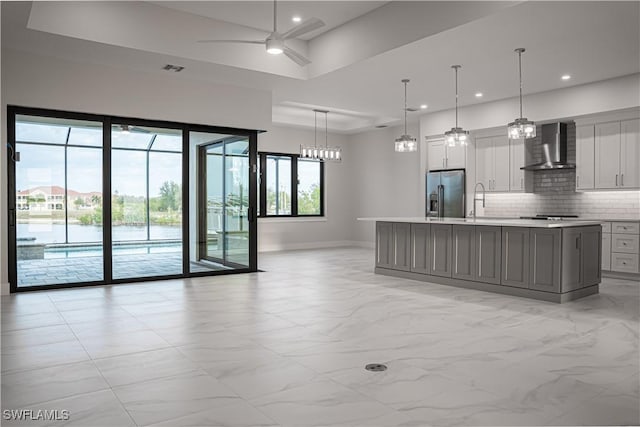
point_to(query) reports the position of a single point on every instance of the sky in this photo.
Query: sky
(43, 165)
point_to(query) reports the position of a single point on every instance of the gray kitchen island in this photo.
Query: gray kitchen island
(554, 261)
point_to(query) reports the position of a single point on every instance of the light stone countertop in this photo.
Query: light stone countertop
(500, 222)
(587, 218)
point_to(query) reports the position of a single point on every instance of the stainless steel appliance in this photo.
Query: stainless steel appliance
(554, 149)
(551, 217)
(446, 193)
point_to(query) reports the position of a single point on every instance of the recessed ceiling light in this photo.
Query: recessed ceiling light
(296, 19)
(478, 94)
(566, 77)
(423, 106)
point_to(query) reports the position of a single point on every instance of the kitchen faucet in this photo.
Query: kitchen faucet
(475, 197)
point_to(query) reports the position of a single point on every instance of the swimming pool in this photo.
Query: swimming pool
(90, 250)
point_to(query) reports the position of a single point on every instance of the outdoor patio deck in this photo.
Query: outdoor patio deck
(36, 272)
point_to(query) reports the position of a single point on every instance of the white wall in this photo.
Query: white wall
(299, 233)
(382, 182)
(46, 82)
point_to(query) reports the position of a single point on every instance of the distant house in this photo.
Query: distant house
(52, 198)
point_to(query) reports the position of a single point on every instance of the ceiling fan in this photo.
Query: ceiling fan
(275, 41)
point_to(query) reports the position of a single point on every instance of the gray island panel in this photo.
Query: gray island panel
(558, 263)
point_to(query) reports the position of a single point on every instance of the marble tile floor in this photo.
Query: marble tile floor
(288, 346)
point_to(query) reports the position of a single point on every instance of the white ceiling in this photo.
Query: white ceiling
(259, 14)
(358, 81)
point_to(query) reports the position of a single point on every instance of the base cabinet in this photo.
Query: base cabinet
(464, 252)
(591, 240)
(384, 244)
(393, 245)
(621, 247)
(572, 273)
(420, 239)
(580, 244)
(515, 257)
(625, 263)
(545, 259)
(440, 264)
(606, 251)
(488, 254)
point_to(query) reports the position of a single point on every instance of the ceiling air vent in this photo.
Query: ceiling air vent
(174, 68)
(381, 126)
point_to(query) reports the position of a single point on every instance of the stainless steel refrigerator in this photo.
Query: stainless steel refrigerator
(445, 193)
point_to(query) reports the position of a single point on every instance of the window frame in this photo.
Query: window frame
(262, 183)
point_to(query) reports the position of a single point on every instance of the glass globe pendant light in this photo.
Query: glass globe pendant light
(406, 143)
(457, 135)
(521, 127)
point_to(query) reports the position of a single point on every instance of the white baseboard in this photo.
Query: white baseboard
(4, 289)
(364, 244)
(312, 245)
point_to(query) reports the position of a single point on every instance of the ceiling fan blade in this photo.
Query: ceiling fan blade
(303, 28)
(139, 129)
(233, 41)
(296, 57)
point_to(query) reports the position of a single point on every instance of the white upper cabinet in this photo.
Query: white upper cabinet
(585, 159)
(436, 154)
(607, 155)
(630, 154)
(492, 163)
(484, 161)
(516, 161)
(456, 157)
(616, 156)
(502, 169)
(441, 156)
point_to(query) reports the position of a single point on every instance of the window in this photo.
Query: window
(290, 186)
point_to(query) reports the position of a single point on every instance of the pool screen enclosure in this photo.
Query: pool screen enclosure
(101, 199)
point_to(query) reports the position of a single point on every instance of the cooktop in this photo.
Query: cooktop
(552, 217)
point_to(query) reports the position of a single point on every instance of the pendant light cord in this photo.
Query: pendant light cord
(326, 132)
(405, 106)
(455, 67)
(315, 128)
(520, 73)
(275, 9)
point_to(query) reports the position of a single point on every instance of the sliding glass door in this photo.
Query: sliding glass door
(146, 201)
(225, 212)
(58, 196)
(99, 199)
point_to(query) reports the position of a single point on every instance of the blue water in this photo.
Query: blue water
(54, 233)
(96, 250)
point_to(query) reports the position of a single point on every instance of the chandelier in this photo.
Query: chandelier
(325, 153)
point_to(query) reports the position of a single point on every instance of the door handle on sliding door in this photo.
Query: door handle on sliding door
(251, 215)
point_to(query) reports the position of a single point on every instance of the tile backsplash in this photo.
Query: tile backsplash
(593, 204)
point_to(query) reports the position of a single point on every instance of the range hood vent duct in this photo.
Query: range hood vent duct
(554, 148)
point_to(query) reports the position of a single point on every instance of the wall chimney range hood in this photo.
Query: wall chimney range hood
(554, 149)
